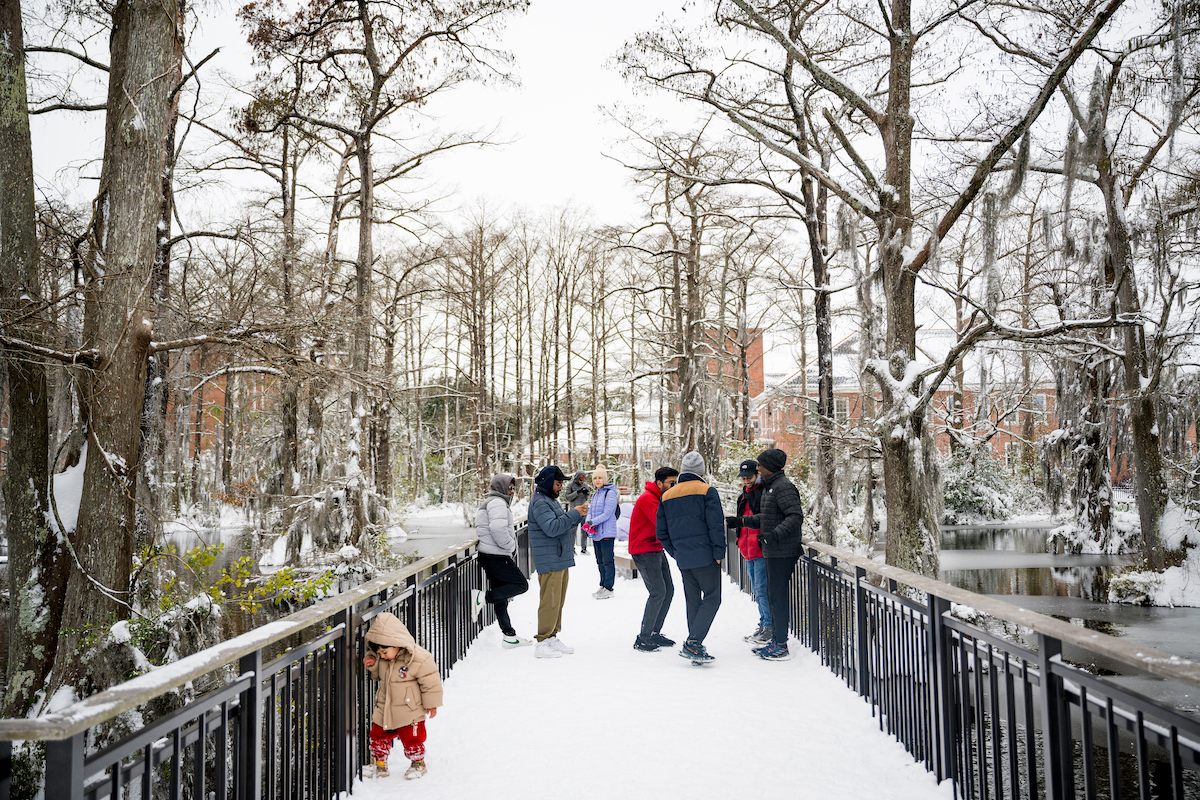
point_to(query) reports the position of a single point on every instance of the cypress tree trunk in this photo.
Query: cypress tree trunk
(146, 51)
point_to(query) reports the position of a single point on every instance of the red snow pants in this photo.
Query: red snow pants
(412, 737)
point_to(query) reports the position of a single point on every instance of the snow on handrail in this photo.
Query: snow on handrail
(133, 693)
(1146, 659)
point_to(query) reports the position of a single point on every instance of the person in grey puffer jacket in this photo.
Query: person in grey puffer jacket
(497, 551)
(574, 494)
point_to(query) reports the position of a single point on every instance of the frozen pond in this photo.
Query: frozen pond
(1017, 565)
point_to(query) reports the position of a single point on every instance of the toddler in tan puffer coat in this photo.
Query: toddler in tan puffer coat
(409, 686)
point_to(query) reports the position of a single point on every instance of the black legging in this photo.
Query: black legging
(780, 570)
(505, 581)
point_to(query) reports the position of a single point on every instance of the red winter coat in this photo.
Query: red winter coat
(642, 538)
(747, 506)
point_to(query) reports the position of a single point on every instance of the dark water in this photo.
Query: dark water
(1018, 565)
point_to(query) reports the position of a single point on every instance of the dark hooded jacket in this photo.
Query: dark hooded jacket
(550, 526)
(780, 517)
(576, 492)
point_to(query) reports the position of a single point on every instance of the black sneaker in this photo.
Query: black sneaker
(695, 651)
(661, 640)
(645, 644)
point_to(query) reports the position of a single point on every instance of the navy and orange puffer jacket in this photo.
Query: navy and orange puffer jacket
(691, 524)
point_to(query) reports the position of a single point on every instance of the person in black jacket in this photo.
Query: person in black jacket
(779, 520)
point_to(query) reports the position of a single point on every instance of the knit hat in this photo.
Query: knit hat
(748, 469)
(693, 462)
(602, 471)
(772, 460)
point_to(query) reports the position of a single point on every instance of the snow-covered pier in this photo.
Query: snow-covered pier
(900, 685)
(611, 722)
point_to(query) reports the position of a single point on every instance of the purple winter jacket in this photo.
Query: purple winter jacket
(602, 512)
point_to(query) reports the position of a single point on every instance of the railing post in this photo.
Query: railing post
(941, 685)
(1056, 722)
(860, 631)
(250, 729)
(64, 768)
(344, 700)
(814, 614)
(5, 770)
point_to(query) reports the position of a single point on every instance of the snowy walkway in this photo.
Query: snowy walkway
(611, 722)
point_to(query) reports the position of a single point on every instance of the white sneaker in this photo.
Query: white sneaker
(560, 646)
(515, 641)
(546, 649)
(603, 594)
(477, 602)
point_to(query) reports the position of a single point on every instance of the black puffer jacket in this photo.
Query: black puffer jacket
(780, 517)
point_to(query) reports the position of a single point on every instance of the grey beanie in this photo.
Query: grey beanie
(693, 462)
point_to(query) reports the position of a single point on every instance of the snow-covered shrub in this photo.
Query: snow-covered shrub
(1179, 584)
(976, 488)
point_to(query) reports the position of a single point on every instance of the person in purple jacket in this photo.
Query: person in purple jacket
(602, 517)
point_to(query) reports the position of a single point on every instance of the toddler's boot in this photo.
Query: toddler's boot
(415, 770)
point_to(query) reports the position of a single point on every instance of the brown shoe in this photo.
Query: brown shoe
(415, 770)
(381, 770)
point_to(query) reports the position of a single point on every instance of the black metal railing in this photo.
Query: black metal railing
(998, 718)
(290, 723)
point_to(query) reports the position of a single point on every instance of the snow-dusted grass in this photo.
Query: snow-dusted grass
(610, 722)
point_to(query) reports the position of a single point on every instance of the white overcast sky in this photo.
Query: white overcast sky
(557, 133)
(559, 139)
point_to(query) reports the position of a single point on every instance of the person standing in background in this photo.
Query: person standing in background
(602, 519)
(497, 555)
(747, 540)
(779, 520)
(647, 553)
(574, 494)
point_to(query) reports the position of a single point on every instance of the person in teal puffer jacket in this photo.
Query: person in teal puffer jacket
(550, 527)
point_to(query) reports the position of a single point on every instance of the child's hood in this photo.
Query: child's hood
(387, 631)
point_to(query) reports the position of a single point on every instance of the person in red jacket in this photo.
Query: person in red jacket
(747, 506)
(647, 553)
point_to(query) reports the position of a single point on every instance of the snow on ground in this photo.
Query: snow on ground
(611, 722)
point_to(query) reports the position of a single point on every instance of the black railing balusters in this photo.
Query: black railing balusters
(860, 633)
(287, 734)
(966, 729)
(1010, 708)
(1176, 765)
(1089, 763)
(1114, 750)
(1143, 756)
(994, 714)
(980, 718)
(200, 757)
(1055, 720)
(1030, 732)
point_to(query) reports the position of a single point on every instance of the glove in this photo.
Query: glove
(733, 523)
